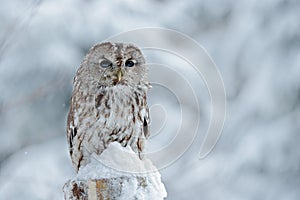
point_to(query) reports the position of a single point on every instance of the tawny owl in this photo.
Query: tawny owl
(108, 102)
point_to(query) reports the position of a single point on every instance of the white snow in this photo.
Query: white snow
(117, 161)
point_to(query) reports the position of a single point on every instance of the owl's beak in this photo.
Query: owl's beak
(119, 75)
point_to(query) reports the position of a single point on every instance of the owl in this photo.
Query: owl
(109, 102)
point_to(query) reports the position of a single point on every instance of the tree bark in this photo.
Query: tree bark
(102, 189)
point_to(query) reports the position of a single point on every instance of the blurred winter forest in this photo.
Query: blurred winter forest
(255, 44)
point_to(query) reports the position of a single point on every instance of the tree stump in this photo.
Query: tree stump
(103, 189)
(116, 174)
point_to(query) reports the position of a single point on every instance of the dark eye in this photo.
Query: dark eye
(130, 63)
(105, 63)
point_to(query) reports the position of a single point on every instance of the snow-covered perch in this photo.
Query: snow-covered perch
(117, 173)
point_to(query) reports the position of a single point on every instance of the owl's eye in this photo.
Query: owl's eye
(130, 63)
(105, 63)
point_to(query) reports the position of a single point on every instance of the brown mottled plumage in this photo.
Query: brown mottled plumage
(108, 102)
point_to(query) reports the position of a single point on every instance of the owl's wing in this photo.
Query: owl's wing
(71, 129)
(146, 119)
(146, 124)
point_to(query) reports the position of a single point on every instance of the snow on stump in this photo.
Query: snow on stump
(117, 173)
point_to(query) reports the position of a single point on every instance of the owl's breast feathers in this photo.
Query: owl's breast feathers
(118, 113)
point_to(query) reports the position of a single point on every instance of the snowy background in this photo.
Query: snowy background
(255, 44)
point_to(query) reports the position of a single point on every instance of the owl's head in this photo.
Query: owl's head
(112, 64)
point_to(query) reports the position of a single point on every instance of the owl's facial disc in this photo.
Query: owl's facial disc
(111, 64)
